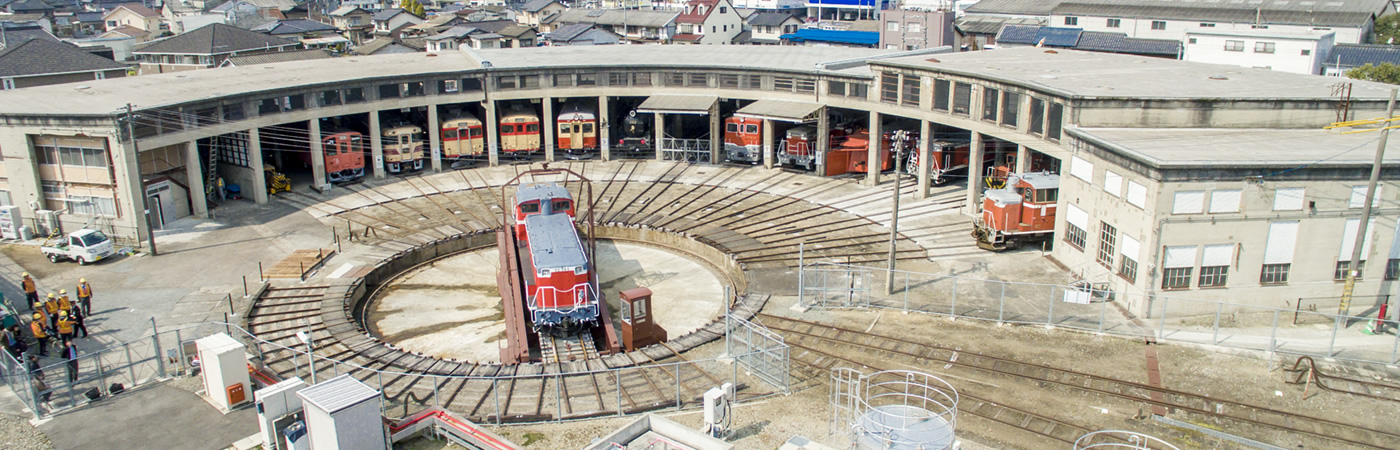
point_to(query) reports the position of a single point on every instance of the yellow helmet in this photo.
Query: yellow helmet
(38, 305)
(50, 295)
(38, 316)
(63, 313)
(82, 280)
(62, 292)
(26, 275)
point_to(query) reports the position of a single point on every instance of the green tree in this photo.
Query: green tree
(1384, 73)
(1387, 30)
(412, 6)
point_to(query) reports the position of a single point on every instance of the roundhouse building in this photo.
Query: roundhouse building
(1178, 179)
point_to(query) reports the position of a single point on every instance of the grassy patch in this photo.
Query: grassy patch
(531, 438)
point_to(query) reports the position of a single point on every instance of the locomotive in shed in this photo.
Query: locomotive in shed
(1018, 213)
(578, 131)
(636, 138)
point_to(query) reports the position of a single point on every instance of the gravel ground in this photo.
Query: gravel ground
(17, 434)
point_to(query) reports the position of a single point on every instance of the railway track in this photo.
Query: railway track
(1216, 408)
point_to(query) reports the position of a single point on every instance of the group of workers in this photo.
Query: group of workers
(55, 316)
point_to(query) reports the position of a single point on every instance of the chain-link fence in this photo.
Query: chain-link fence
(487, 393)
(1295, 330)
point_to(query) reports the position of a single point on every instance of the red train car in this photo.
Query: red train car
(344, 153)
(799, 146)
(852, 154)
(558, 288)
(1021, 212)
(743, 139)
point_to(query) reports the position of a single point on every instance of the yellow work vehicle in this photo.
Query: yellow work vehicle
(276, 181)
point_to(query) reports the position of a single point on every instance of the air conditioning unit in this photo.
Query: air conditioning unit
(48, 222)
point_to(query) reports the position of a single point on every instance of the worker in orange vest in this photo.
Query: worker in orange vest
(65, 327)
(64, 304)
(31, 293)
(40, 333)
(85, 296)
(51, 307)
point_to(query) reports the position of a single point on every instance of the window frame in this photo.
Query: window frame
(1108, 240)
(1274, 274)
(1172, 278)
(1213, 276)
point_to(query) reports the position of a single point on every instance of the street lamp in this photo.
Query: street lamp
(305, 338)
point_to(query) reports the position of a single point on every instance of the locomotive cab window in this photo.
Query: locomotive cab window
(587, 128)
(530, 208)
(507, 129)
(559, 206)
(403, 139)
(476, 132)
(1046, 195)
(532, 128)
(450, 133)
(731, 127)
(751, 129)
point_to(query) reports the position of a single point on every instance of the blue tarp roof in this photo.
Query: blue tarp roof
(843, 37)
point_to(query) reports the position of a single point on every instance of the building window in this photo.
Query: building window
(617, 79)
(891, 26)
(1071, 21)
(1053, 121)
(1115, 23)
(909, 94)
(1188, 202)
(1191, 41)
(1112, 183)
(782, 84)
(1076, 236)
(832, 87)
(1214, 276)
(731, 81)
(5, 198)
(962, 98)
(1207, 25)
(940, 94)
(1108, 237)
(1159, 25)
(1137, 194)
(916, 28)
(447, 86)
(889, 88)
(641, 79)
(1128, 254)
(699, 79)
(7, 83)
(990, 100)
(1263, 47)
(1234, 46)
(1010, 107)
(1341, 273)
(1176, 278)
(1358, 197)
(807, 86)
(1128, 269)
(529, 81)
(394, 90)
(1274, 274)
(1082, 169)
(91, 206)
(723, 10)
(330, 98)
(1224, 201)
(753, 82)
(1392, 267)
(1037, 116)
(1306, 52)
(563, 80)
(588, 79)
(1289, 199)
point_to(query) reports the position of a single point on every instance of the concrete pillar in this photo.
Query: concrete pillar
(129, 184)
(974, 175)
(318, 154)
(194, 171)
(1023, 159)
(925, 160)
(823, 139)
(768, 143)
(872, 158)
(376, 144)
(549, 124)
(604, 125)
(255, 159)
(716, 133)
(660, 124)
(493, 141)
(435, 138)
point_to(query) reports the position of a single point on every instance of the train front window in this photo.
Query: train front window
(751, 129)
(1047, 195)
(450, 133)
(419, 136)
(507, 129)
(731, 128)
(530, 208)
(578, 128)
(476, 132)
(563, 128)
(403, 139)
(587, 128)
(532, 128)
(559, 206)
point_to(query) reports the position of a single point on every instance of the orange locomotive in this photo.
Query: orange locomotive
(559, 291)
(743, 139)
(1022, 211)
(345, 156)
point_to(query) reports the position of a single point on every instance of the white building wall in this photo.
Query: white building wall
(1288, 54)
(720, 28)
(770, 4)
(1177, 29)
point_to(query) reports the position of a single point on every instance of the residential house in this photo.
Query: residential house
(38, 62)
(121, 41)
(436, 24)
(767, 27)
(709, 22)
(770, 5)
(206, 47)
(636, 26)
(980, 32)
(844, 10)
(353, 22)
(1344, 57)
(12, 33)
(180, 16)
(906, 29)
(534, 10)
(1095, 41)
(390, 21)
(24, 7)
(268, 58)
(462, 36)
(513, 35)
(386, 45)
(310, 33)
(583, 34)
(133, 15)
(1297, 52)
(373, 6)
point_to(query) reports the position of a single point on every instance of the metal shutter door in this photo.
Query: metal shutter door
(1112, 183)
(1282, 237)
(1078, 218)
(1349, 239)
(1218, 255)
(1188, 202)
(1082, 169)
(1180, 257)
(1131, 248)
(1227, 201)
(1288, 199)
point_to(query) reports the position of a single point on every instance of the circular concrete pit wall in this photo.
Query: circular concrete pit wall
(441, 299)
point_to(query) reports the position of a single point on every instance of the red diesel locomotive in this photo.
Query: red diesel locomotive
(559, 293)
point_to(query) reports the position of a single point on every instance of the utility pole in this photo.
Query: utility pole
(136, 153)
(1353, 268)
(897, 144)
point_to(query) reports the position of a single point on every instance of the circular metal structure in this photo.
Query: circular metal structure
(895, 409)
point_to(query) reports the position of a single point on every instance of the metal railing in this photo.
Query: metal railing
(692, 150)
(760, 351)
(1081, 307)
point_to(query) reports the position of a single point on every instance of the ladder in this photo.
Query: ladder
(212, 170)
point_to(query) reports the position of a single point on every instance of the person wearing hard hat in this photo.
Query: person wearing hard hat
(31, 292)
(65, 327)
(40, 333)
(64, 304)
(85, 296)
(51, 308)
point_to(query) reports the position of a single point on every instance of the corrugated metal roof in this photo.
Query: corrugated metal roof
(1026, 7)
(678, 104)
(337, 393)
(1099, 41)
(992, 25)
(784, 110)
(1356, 55)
